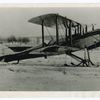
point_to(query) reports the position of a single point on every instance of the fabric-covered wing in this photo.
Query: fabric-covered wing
(21, 56)
(90, 40)
(50, 20)
(35, 53)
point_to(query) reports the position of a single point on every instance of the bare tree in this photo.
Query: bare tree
(11, 39)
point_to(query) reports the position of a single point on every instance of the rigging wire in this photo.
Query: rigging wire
(62, 28)
(49, 32)
(63, 31)
(96, 38)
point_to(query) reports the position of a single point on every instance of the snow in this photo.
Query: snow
(49, 75)
(4, 50)
(48, 78)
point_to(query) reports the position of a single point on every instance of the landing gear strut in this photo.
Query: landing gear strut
(85, 62)
(16, 62)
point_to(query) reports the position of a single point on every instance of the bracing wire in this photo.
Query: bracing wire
(96, 38)
(63, 31)
(48, 31)
(49, 34)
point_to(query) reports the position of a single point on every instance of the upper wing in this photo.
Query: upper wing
(50, 20)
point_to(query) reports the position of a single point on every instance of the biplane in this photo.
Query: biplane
(76, 37)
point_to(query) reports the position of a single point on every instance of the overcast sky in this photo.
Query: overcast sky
(14, 21)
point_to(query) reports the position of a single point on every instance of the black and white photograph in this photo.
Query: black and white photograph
(49, 48)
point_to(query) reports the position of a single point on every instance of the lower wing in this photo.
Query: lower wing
(42, 52)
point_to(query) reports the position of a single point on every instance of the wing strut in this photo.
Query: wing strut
(57, 32)
(66, 30)
(80, 29)
(70, 33)
(66, 36)
(86, 29)
(43, 33)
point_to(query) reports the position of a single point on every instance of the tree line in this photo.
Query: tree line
(12, 39)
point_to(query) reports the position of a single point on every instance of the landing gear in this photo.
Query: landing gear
(16, 62)
(45, 56)
(84, 62)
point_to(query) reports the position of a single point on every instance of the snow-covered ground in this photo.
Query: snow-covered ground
(50, 75)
